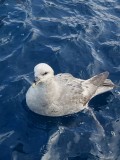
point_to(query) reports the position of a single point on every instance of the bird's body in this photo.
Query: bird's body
(64, 94)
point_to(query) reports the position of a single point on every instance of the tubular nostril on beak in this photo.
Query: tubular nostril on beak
(36, 79)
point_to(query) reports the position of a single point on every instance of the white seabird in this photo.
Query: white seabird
(63, 94)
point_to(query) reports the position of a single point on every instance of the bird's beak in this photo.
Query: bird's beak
(35, 83)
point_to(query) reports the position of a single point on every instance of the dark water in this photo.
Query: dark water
(76, 36)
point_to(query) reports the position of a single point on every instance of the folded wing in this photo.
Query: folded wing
(96, 85)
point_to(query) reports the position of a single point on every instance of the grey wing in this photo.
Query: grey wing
(105, 87)
(92, 86)
(81, 91)
(71, 87)
(86, 89)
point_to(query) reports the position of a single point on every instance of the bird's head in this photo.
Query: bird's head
(42, 73)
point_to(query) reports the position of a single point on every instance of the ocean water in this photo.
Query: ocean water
(81, 37)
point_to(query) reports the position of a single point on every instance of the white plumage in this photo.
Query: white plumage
(63, 94)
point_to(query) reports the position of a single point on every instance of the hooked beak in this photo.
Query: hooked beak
(36, 82)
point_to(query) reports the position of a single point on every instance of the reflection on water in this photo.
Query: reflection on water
(75, 36)
(78, 142)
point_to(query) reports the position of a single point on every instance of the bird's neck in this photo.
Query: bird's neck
(51, 89)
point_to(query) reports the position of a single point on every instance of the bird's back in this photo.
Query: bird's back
(71, 98)
(76, 93)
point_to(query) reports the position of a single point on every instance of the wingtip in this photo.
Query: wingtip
(99, 79)
(106, 73)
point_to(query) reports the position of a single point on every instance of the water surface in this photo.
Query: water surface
(75, 36)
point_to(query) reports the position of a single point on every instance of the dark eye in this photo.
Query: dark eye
(45, 73)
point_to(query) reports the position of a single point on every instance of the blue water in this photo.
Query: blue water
(81, 37)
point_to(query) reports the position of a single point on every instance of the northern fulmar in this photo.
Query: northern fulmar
(63, 94)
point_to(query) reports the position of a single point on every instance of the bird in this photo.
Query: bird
(63, 94)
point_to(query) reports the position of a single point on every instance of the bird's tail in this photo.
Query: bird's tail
(99, 79)
(105, 87)
(97, 85)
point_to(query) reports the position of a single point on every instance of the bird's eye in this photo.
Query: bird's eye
(45, 73)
